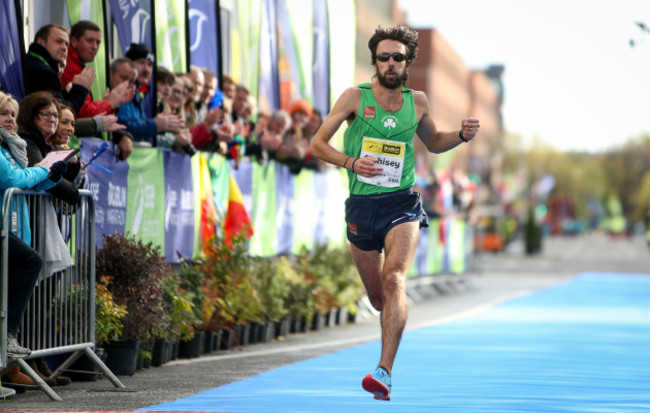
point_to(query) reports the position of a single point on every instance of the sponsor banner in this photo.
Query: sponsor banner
(285, 189)
(269, 88)
(204, 37)
(110, 191)
(321, 193)
(179, 206)
(303, 212)
(11, 71)
(170, 35)
(321, 59)
(132, 20)
(146, 196)
(264, 243)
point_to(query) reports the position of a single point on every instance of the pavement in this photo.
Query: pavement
(497, 278)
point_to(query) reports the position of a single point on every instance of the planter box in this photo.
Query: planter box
(159, 353)
(192, 348)
(318, 321)
(265, 332)
(342, 315)
(121, 356)
(282, 327)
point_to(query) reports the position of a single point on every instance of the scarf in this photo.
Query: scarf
(17, 146)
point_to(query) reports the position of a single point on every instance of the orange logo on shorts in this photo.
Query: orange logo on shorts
(352, 227)
(369, 112)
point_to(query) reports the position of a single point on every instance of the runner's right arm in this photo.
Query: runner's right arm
(344, 109)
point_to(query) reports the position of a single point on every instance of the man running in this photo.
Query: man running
(383, 214)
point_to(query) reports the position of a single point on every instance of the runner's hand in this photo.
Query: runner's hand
(366, 167)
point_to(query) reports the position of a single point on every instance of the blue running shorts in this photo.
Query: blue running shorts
(370, 217)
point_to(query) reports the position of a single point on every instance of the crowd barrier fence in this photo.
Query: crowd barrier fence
(60, 318)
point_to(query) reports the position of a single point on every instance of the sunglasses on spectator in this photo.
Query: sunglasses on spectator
(189, 89)
(397, 57)
(48, 115)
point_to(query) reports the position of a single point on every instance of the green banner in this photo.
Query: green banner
(92, 10)
(245, 43)
(301, 14)
(435, 249)
(145, 212)
(171, 44)
(220, 178)
(304, 199)
(264, 242)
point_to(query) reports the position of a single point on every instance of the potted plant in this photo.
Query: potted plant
(183, 302)
(231, 302)
(138, 270)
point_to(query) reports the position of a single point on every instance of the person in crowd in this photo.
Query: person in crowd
(164, 82)
(42, 63)
(189, 108)
(179, 141)
(310, 129)
(93, 126)
(294, 148)
(228, 88)
(132, 114)
(85, 39)
(201, 108)
(24, 263)
(264, 146)
(383, 214)
(38, 121)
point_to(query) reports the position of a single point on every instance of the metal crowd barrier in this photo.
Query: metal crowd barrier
(60, 318)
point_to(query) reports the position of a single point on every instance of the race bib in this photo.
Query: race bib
(390, 155)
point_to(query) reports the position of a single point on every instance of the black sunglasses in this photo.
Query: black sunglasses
(397, 57)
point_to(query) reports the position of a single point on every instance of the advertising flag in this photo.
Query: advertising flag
(179, 206)
(132, 20)
(204, 36)
(237, 219)
(110, 189)
(11, 71)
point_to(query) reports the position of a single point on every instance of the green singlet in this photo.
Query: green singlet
(387, 136)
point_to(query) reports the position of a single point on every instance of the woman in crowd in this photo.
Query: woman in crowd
(38, 121)
(24, 263)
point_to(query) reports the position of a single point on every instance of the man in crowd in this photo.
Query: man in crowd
(41, 67)
(132, 114)
(85, 39)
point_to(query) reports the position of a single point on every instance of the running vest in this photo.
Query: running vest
(387, 136)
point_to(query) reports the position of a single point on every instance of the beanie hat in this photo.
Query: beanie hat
(300, 106)
(139, 51)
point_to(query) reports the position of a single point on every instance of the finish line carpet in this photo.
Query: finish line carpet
(582, 346)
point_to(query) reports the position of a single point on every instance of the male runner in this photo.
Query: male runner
(383, 214)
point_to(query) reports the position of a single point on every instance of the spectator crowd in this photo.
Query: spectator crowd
(190, 112)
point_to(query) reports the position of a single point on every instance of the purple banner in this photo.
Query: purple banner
(109, 191)
(321, 193)
(284, 206)
(133, 22)
(269, 87)
(11, 72)
(179, 206)
(321, 65)
(204, 36)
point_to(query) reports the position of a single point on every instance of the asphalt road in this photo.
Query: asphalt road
(497, 278)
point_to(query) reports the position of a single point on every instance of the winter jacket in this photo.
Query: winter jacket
(41, 72)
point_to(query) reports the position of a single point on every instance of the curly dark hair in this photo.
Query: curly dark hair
(406, 36)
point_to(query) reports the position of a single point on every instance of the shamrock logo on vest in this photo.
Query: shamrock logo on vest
(390, 122)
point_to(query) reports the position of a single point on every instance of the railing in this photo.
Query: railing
(60, 318)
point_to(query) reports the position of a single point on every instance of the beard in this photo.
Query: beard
(394, 83)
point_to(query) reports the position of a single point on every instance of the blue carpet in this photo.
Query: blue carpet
(582, 346)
